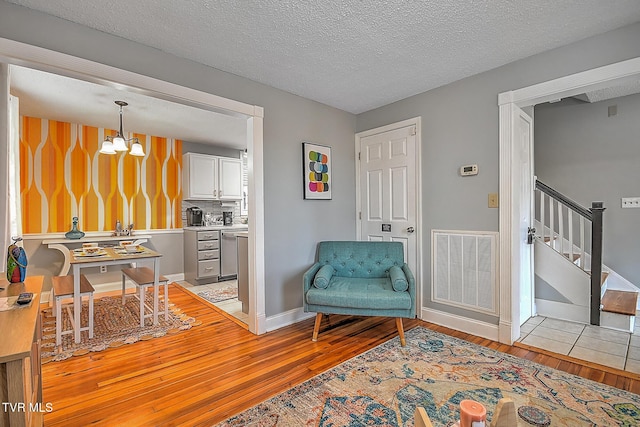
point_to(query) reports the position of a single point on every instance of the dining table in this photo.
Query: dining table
(80, 259)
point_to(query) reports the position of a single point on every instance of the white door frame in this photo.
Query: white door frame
(416, 121)
(13, 52)
(575, 84)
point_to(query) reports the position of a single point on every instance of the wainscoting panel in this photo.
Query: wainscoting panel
(464, 266)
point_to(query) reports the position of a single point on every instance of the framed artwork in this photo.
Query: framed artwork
(316, 167)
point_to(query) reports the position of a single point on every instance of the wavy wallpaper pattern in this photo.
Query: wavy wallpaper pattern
(63, 175)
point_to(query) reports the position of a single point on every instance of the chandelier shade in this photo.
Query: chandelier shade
(118, 143)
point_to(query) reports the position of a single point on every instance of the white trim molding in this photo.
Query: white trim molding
(460, 323)
(288, 318)
(575, 84)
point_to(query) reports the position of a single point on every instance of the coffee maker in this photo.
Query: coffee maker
(227, 218)
(194, 217)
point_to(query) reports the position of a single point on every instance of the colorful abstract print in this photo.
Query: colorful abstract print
(318, 172)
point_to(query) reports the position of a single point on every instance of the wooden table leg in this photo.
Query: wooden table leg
(77, 303)
(156, 278)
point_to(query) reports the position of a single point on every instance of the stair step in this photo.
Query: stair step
(604, 276)
(621, 302)
(574, 256)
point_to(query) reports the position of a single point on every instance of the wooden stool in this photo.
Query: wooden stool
(143, 278)
(63, 288)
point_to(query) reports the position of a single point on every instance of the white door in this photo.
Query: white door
(523, 152)
(388, 189)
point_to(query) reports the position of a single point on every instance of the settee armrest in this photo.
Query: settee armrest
(307, 278)
(412, 287)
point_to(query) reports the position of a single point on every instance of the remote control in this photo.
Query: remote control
(24, 298)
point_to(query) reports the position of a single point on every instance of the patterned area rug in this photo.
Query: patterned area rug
(383, 386)
(114, 326)
(222, 294)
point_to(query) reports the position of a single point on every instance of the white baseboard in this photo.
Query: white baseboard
(287, 318)
(562, 311)
(463, 324)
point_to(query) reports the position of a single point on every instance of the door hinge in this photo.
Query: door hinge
(412, 132)
(358, 156)
(359, 215)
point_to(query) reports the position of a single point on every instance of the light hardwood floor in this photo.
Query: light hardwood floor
(213, 371)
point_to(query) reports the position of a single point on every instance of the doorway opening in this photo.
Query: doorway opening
(16, 53)
(512, 280)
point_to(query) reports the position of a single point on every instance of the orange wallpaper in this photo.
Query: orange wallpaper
(62, 175)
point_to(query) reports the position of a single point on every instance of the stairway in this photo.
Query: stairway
(564, 290)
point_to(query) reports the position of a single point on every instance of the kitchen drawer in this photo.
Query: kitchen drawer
(208, 268)
(208, 235)
(208, 244)
(213, 254)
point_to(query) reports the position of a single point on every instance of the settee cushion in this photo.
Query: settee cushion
(398, 279)
(371, 293)
(323, 276)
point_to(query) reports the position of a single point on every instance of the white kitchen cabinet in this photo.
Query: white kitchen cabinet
(206, 177)
(229, 179)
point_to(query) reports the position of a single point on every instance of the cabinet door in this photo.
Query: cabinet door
(201, 177)
(230, 183)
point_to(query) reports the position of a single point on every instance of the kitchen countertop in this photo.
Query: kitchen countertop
(218, 227)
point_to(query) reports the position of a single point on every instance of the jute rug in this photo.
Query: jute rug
(114, 325)
(222, 294)
(383, 386)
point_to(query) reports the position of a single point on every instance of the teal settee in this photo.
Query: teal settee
(360, 278)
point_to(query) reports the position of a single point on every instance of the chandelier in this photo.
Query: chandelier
(114, 144)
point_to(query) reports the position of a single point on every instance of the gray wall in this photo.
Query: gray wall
(293, 226)
(460, 126)
(589, 156)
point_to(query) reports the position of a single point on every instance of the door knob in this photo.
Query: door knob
(410, 230)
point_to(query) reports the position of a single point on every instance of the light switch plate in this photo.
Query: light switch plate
(493, 200)
(631, 202)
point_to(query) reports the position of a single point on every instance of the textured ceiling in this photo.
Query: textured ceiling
(355, 55)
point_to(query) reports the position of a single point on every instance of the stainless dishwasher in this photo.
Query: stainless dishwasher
(228, 255)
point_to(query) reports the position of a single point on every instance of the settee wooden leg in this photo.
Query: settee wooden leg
(403, 342)
(316, 327)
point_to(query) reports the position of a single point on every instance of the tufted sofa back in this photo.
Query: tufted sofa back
(361, 258)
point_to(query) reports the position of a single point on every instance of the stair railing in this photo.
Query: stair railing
(551, 208)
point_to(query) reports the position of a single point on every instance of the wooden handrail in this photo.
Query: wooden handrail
(574, 206)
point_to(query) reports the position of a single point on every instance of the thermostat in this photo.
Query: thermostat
(468, 170)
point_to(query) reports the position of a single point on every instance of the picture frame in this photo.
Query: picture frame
(316, 171)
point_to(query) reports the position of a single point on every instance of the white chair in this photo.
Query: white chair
(63, 288)
(143, 278)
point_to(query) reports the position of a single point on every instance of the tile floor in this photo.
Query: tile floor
(607, 347)
(231, 306)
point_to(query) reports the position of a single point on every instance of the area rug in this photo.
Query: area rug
(114, 325)
(218, 295)
(383, 387)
